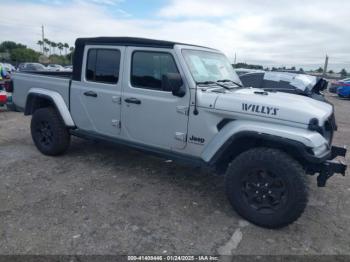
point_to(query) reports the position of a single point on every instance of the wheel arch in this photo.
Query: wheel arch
(239, 136)
(40, 98)
(246, 140)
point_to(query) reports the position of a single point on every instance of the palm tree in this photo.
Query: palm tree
(48, 43)
(66, 47)
(41, 44)
(53, 45)
(60, 47)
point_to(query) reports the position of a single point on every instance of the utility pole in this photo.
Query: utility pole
(43, 37)
(325, 66)
(235, 58)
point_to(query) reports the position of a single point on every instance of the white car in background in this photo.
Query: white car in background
(68, 68)
(54, 67)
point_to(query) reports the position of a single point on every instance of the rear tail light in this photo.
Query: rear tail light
(3, 98)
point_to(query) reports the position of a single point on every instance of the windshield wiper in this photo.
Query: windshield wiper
(195, 111)
(214, 83)
(228, 80)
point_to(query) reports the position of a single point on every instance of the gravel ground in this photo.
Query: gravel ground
(102, 199)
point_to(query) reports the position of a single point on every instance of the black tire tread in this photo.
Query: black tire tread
(299, 181)
(61, 133)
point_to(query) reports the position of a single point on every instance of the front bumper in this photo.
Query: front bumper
(330, 167)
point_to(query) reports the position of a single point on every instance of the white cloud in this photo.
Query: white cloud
(284, 33)
(107, 2)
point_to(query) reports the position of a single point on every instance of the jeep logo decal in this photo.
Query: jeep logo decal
(196, 140)
(266, 110)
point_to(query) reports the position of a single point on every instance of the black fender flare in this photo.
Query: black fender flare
(236, 144)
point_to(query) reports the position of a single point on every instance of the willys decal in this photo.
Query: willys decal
(266, 110)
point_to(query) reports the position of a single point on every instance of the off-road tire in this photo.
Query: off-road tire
(49, 133)
(283, 169)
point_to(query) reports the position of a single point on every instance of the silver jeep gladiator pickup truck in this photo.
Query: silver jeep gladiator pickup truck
(185, 102)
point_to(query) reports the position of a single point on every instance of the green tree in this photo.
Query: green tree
(41, 45)
(66, 47)
(60, 47)
(59, 59)
(24, 55)
(319, 70)
(7, 46)
(53, 45)
(343, 73)
(301, 69)
(248, 66)
(330, 72)
(48, 44)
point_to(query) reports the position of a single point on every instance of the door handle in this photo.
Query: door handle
(133, 100)
(90, 93)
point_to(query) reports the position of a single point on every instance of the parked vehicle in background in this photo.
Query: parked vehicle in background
(31, 67)
(242, 71)
(186, 102)
(54, 67)
(300, 84)
(335, 84)
(343, 89)
(68, 67)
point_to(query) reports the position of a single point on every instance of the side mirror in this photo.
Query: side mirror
(173, 82)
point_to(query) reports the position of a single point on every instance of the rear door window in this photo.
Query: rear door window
(103, 66)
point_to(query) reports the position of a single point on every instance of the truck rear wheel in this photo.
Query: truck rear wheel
(49, 133)
(267, 187)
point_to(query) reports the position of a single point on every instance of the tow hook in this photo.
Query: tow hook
(329, 168)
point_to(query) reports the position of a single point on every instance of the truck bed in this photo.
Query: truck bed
(24, 81)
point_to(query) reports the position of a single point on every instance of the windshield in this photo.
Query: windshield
(209, 66)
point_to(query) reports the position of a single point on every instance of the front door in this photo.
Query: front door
(151, 115)
(96, 99)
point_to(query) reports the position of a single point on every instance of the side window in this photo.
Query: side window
(30, 67)
(103, 65)
(148, 68)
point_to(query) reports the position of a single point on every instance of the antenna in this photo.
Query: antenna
(325, 65)
(195, 110)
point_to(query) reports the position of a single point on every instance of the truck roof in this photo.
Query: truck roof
(80, 44)
(128, 41)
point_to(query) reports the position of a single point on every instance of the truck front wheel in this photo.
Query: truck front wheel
(267, 187)
(49, 133)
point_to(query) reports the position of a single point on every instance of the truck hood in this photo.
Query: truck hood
(276, 105)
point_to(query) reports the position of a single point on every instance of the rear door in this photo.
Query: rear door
(95, 100)
(151, 115)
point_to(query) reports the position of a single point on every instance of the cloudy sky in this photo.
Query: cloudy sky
(269, 32)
